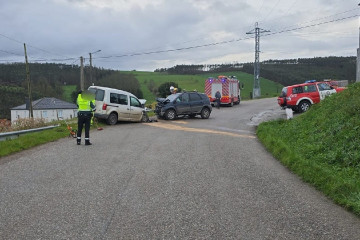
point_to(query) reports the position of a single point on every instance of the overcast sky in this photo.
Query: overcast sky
(149, 34)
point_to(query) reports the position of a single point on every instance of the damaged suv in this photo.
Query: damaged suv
(183, 104)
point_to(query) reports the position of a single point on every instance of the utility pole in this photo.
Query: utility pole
(91, 65)
(31, 114)
(257, 31)
(81, 73)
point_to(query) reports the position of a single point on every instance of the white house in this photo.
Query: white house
(48, 109)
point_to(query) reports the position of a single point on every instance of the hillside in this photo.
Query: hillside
(293, 71)
(285, 72)
(150, 81)
(323, 146)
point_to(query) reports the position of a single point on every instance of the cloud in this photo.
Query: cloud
(147, 34)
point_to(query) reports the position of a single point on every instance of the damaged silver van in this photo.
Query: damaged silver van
(115, 105)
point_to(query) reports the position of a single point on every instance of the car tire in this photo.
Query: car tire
(170, 114)
(112, 119)
(205, 113)
(304, 106)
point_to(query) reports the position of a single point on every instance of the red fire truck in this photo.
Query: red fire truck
(228, 87)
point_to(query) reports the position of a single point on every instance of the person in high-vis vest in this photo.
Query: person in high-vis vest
(86, 105)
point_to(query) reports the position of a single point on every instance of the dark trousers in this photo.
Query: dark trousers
(84, 118)
(218, 102)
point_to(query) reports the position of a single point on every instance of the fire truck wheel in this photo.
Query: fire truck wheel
(231, 104)
(205, 113)
(170, 114)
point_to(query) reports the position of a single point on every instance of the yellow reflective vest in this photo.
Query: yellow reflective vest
(84, 105)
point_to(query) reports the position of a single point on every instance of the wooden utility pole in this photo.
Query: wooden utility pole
(91, 77)
(82, 73)
(31, 114)
(90, 68)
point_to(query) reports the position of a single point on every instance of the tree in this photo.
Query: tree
(164, 89)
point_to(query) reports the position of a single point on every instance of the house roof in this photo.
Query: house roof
(48, 103)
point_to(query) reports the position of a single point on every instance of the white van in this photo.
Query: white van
(115, 105)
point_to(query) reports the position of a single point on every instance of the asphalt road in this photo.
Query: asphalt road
(184, 179)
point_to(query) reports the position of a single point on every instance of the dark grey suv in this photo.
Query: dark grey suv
(182, 104)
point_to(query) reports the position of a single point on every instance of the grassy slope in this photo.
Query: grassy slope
(323, 146)
(68, 89)
(191, 82)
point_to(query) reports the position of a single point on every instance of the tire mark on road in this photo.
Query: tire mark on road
(198, 130)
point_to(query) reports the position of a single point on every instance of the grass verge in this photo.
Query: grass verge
(322, 146)
(29, 140)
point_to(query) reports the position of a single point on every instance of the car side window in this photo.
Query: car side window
(185, 97)
(324, 86)
(123, 99)
(134, 102)
(194, 97)
(113, 98)
(297, 90)
(310, 88)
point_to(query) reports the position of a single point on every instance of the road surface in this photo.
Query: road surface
(183, 179)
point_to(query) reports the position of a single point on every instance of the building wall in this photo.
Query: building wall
(48, 115)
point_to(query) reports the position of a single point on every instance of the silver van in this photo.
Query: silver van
(115, 105)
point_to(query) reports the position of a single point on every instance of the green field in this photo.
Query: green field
(68, 89)
(197, 82)
(192, 82)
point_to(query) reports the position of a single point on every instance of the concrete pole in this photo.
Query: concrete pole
(82, 73)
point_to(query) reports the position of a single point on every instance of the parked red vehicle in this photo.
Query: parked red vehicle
(300, 97)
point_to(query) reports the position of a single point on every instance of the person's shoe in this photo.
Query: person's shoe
(87, 142)
(78, 141)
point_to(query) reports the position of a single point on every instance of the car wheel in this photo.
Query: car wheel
(112, 119)
(304, 106)
(205, 113)
(170, 114)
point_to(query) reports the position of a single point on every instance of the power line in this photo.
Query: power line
(17, 41)
(196, 46)
(317, 19)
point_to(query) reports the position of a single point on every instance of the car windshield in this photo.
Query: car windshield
(172, 97)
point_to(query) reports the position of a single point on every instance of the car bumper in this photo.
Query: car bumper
(101, 116)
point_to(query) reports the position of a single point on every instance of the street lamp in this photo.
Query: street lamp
(91, 65)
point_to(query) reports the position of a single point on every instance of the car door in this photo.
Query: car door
(182, 104)
(196, 103)
(312, 92)
(120, 103)
(136, 109)
(325, 90)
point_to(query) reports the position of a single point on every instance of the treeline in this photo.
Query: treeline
(126, 82)
(198, 69)
(293, 71)
(47, 80)
(286, 72)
